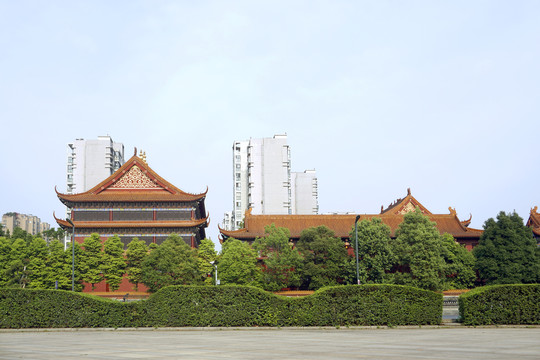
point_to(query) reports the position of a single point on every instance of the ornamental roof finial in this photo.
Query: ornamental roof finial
(142, 155)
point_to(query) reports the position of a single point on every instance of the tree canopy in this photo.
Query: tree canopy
(136, 252)
(237, 264)
(172, 263)
(325, 258)
(459, 270)
(113, 263)
(91, 260)
(420, 253)
(282, 262)
(375, 253)
(206, 257)
(507, 252)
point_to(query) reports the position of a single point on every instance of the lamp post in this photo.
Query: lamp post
(72, 253)
(215, 267)
(356, 248)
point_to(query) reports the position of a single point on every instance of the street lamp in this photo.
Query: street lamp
(72, 253)
(215, 267)
(356, 247)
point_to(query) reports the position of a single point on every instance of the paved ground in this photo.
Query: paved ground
(358, 343)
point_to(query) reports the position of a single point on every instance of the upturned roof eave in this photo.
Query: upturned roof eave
(134, 160)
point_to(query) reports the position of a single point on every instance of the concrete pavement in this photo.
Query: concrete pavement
(453, 342)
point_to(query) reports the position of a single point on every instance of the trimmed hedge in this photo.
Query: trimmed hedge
(371, 305)
(203, 306)
(22, 308)
(227, 305)
(501, 304)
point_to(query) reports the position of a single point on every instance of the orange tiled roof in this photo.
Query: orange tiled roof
(109, 189)
(342, 224)
(254, 224)
(133, 224)
(534, 221)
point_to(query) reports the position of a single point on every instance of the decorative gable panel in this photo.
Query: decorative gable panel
(409, 207)
(135, 178)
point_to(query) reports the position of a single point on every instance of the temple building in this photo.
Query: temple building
(342, 224)
(534, 223)
(136, 202)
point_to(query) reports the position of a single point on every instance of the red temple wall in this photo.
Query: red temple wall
(125, 287)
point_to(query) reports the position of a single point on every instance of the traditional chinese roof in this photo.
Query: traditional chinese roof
(343, 224)
(254, 224)
(132, 224)
(135, 181)
(534, 221)
(405, 205)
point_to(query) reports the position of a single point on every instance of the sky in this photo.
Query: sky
(441, 97)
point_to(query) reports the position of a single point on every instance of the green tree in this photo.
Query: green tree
(53, 234)
(113, 262)
(19, 233)
(459, 271)
(325, 258)
(507, 252)
(282, 262)
(59, 266)
(91, 261)
(171, 263)
(37, 253)
(420, 253)
(17, 272)
(137, 251)
(375, 253)
(206, 257)
(5, 258)
(238, 264)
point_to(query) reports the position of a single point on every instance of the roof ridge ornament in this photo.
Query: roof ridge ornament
(142, 155)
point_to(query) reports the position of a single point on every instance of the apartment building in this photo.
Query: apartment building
(263, 181)
(29, 223)
(91, 161)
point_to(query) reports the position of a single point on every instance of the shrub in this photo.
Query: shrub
(24, 308)
(501, 304)
(230, 305)
(371, 305)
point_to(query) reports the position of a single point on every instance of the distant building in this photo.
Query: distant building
(263, 181)
(304, 192)
(29, 223)
(227, 220)
(534, 223)
(91, 161)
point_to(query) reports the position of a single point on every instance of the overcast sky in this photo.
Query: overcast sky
(377, 96)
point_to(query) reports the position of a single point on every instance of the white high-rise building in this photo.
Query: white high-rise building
(91, 161)
(304, 192)
(269, 175)
(262, 181)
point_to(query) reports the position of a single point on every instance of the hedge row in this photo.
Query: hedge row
(20, 308)
(202, 306)
(501, 304)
